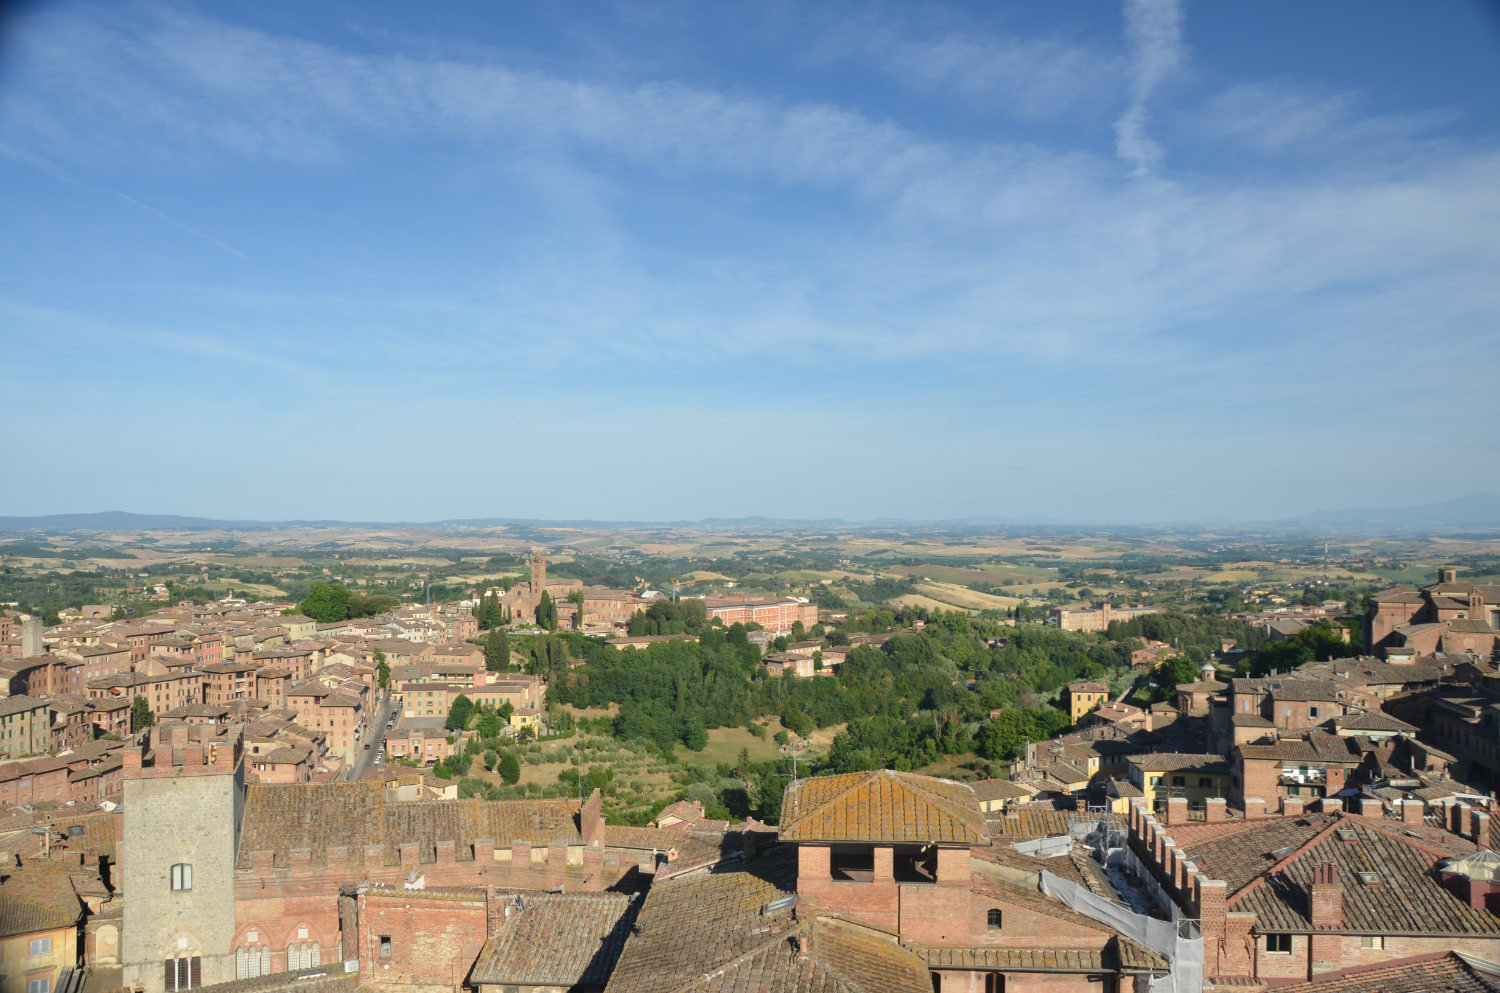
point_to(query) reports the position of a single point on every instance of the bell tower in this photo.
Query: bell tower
(538, 563)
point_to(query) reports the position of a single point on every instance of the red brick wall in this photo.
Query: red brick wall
(433, 942)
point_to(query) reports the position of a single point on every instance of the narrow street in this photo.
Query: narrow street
(374, 737)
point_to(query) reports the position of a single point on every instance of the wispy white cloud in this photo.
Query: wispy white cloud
(1275, 117)
(1037, 264)
(1153, 31)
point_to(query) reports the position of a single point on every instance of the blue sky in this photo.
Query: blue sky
(671, 260)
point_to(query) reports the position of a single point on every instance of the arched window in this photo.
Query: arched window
(994, 917)
(265, 960)
(241, 963)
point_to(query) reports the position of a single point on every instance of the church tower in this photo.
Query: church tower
(538, 580)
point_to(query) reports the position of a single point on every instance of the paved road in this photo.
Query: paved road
(375, 737)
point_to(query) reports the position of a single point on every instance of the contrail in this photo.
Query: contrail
(186, 227)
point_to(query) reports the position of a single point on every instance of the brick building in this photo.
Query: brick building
(1446, 616)
(25, 726)
(1295, 898)
(1095, 618)
(774, 615)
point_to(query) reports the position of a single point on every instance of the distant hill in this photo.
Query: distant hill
(120, 520)
(1477, 510)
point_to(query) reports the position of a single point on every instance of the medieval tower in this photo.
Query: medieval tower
(538, 580)
(184, 797)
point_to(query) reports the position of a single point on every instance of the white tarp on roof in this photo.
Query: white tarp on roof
(1179, 942)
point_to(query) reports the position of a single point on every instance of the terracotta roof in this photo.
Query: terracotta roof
(1315, 747)
(282, 817)
(1174, 761)
(881, 806)
(696, 922)
(1240, 851)
(1451, 972)
(1374, 721)
(1041, 822)
(1405, 898)
(37, 897)
(998, 789)
(319, 980)
(842, 958)
(558, 940)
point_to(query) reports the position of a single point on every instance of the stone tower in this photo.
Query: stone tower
(184, 797)
(31, 637)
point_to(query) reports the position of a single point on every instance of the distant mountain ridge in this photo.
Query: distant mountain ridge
(1477, 510)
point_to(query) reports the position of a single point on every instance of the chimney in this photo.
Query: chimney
(1291, 806)
(484, 852)
(591, 820)
(1327, 897)
(1216, 810)
(1255, 808)
(1370, 807)
(1177, 811)
(1458, 817)
(1411, 811)
(1479, 829)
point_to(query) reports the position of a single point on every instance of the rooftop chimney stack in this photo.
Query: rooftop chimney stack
(1327, 897)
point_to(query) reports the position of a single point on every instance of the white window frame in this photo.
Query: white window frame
(182, 876)
(42, 984)
(39, 946)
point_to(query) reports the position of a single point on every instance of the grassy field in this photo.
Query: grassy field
(966, 598)
(724, 744)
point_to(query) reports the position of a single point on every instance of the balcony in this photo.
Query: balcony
(1304, 777)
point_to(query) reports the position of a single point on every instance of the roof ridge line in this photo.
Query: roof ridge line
(1416, 843)
(1285, 861)
(799, 928)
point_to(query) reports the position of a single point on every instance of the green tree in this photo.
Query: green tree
(382, 669)
(490, 725)
(497, 650)
(458, 714)
(326, 602)
(140, 714)
(576, 599)
(546, 612)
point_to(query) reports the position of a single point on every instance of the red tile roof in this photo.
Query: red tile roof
(882, 806)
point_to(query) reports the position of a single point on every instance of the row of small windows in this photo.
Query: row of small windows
(255, 961)
(1281, 944)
